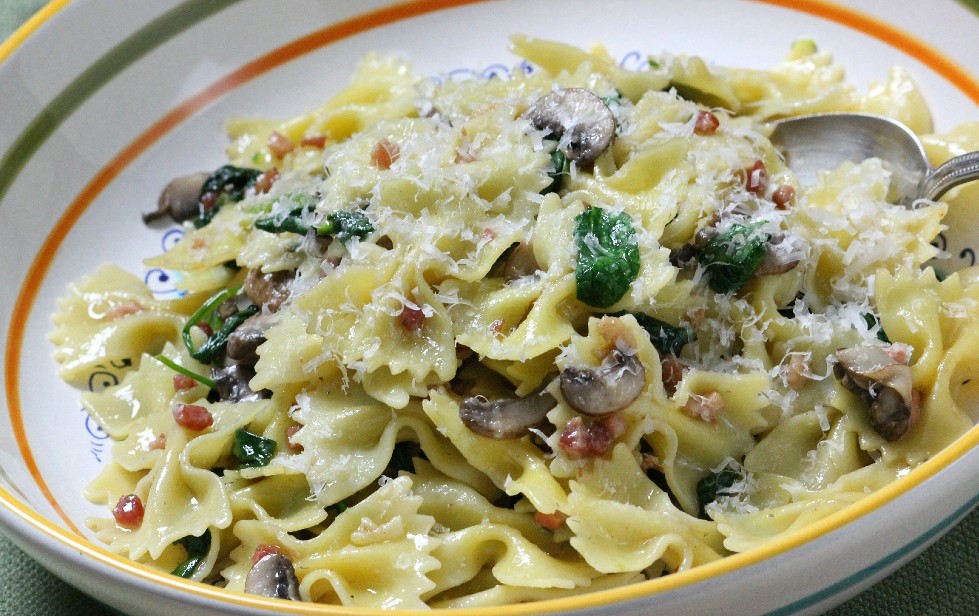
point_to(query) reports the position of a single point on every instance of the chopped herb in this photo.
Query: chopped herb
(197, 549)
(169, 363)
(666, 338)
(252, 450)
(340, 506)
(608, 256)
(561, 169)
(653, 63)
(731, 257)
(227, 184)
(716, 483)
(612, 99)
(214, 345)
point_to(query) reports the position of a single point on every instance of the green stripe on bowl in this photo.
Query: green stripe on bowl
(101, 72)
(971, 4)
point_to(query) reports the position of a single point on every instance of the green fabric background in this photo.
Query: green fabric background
(944, 580)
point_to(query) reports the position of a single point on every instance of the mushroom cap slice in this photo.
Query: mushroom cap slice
(244, 341)
(180, 198)
(520, 262)
(884, 384)
(611, 387)
(580, 118)
(506, 418)
(891, 416)
(273, 576)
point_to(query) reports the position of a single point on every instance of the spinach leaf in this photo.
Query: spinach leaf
(731, 257)
(665, 337)
(215, 344)
(227, 184)
(608, 256)
(252, 450)
(710, 486)
(345, 225)
(197, 548)
(284, 223)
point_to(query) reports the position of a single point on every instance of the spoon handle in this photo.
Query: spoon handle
(948, 175)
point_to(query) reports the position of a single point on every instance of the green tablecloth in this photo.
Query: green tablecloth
(942, 581)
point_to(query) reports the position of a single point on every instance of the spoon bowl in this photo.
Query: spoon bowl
(823, 141)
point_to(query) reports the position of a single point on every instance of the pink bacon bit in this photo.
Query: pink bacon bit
(412, 319)
(182, 382)
(192, 416)
(279, 145)
(291, 433)
(264, 182)
(159, 443)
(126, 308)
(704, 406)
(756, 179)
(673, 371)
(384, 154)
(706, 123)
(783, 197)
(208, 200)
(314, 141)
(581, 440)
(263, 550)
(901, 353)
(129, 512)
(550, 521)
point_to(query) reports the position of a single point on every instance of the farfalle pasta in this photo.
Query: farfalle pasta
(475, 342)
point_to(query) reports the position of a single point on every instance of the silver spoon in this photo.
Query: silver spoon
(824, 140)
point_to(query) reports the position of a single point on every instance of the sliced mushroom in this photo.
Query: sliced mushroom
(244, 341)
(884, 384)
(775, 261)
(273, 576)
(179, 199)
(610, 387)
(520, 262)
(773, 264)
(231, 383)
(268, 290)
(506, 418)
(580, 118)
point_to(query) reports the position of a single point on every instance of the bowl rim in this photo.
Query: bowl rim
(75, 541)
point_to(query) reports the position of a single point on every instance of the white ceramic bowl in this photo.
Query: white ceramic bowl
(101, 106)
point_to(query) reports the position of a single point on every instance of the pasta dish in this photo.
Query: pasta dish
(452, 343)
